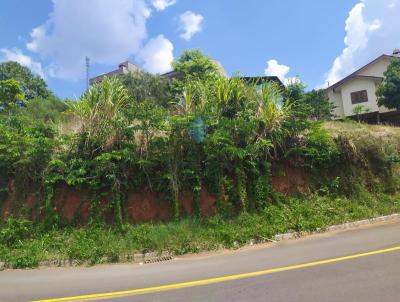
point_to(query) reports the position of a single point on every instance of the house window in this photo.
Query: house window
(359, 97)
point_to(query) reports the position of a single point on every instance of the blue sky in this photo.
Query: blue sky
(318, 41)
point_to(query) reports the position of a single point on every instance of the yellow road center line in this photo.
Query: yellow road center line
(217, 279)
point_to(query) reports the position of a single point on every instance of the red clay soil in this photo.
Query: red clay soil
(289, 180)
(30, 201)
(6, 209)
(84, 212)
(208, 205)
(143, 206)
(186, 204)
(67, 201)
(147, 206)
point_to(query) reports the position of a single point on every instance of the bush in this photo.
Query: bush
(16, 230)
(316, 149)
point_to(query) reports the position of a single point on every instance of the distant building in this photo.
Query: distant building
(359, 88)
(126, 67)
(171, 75)
(123, 68)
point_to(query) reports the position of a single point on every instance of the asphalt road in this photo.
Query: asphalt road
(357, 265)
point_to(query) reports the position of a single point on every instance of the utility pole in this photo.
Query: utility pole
(87, 72)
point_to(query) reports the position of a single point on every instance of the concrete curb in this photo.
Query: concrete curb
(344, 226)
(138, 258)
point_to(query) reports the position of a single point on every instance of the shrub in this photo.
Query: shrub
(16, 230)
(316, 149)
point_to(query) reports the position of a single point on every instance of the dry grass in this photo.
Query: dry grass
(386, 138)
(354, 130)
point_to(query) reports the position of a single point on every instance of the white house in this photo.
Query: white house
(359, 88)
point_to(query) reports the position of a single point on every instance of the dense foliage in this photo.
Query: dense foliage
(23, 244)
(10, 94)
(192, 63)
(314, 104)
(143, 86)
(389, 91)
(33, 86)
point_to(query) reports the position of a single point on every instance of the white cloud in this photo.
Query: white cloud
(16, 55)
(106, 31)
(276, 69)
(162, 4)
(157, 55)
(190, 24)
(372, 28)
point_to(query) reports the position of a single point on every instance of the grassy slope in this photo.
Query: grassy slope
(27, 245)
(361, 133)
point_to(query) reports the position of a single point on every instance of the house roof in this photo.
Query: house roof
(355, 73)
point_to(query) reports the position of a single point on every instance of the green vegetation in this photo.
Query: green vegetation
(192, 63)
(313, 104)
(10, 92)
(25, 244)
(145, 87)
(33, 86)
(389, 91)
(358, 110)
(206, 132)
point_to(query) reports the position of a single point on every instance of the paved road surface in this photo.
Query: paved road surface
(365, 277)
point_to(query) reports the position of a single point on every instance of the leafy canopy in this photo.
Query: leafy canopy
(194, 63)
(312, 104)
(143, 86)
(33, 86)
(10, 92)
(321, 108)
(388, 92)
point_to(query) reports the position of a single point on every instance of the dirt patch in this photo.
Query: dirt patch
(208, 203)
(30, 201)
(147, 206)
(84, 212)
(67, 201)
(289, 180)
(6, 209)
(186, 203)
(7, 206)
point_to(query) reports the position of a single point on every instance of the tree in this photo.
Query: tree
(48, 110)
(320, 107)
(10, 93)
(312, 104)
(143, 86)
(193, 63)
(294, 91)
(32, 86)
(388, 92)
